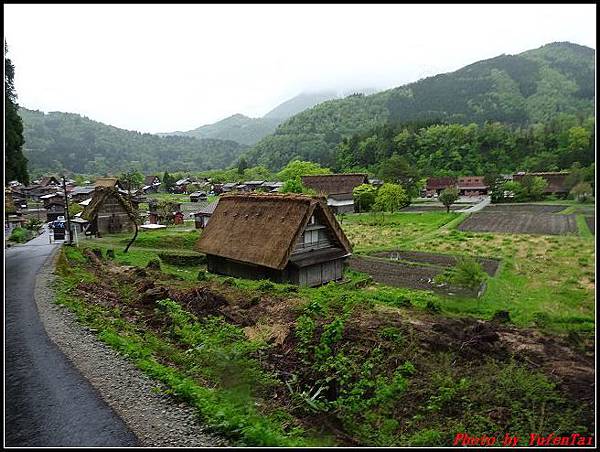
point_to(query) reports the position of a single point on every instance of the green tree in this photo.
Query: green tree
(242, 165)
(533, 187)
(390, 198)
(298, 168)
(132, 179)
(398, 170)
(582, 191)
(14, 160)
(168, 181)
(295, 186)
(512, 189)
(364, 197)
(448, 196)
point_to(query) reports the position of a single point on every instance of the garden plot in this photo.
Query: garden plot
(523, 208)
(516, 222)
(490, 266)
(414, 270)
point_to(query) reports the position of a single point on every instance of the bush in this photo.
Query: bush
(466, 273)
(20, 235)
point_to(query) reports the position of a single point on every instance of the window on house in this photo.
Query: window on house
(311, 237)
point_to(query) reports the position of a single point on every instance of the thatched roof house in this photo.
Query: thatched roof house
(286, 238)
(331, 184)
(556, 181)
(338, 188)
(109, 212)
(203, 214)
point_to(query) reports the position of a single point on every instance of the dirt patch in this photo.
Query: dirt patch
(443, 260)
(520, 223)
(401, 274)
(591, 223)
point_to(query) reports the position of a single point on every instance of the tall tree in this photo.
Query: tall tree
(15, 161)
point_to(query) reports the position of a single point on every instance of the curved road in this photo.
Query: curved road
(47, 401)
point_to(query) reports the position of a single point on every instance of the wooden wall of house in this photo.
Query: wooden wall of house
(222, 266)
(315, 275)
(113, 218)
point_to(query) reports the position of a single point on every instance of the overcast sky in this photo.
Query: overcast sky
(161, 68)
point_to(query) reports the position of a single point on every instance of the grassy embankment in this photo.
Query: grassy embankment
(351, 371)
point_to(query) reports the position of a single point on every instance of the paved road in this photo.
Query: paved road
(479, 206)
(47, 401)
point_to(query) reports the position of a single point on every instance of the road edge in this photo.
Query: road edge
(153, 416)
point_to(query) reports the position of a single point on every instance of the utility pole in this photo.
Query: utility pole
(67, 210)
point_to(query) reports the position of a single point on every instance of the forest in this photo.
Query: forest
(517, 90)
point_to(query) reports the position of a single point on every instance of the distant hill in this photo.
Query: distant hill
(249, 131)
(533, 86)
(57, 141)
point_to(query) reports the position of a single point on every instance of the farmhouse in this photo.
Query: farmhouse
(82, 193)
(286, 238)
(198, 196)
(472, 186)
(203, 214)
(338, 189)
(109, 212)
(435, 185)
(151, 184)
(556, 181)
(55, 208)
(49, 181)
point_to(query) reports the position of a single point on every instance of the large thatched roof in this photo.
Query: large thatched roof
(262, 229)
(334, 183)
(100, 195)
(104, 182)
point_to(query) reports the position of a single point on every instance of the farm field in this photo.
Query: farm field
(343, 364)
(347, 364)
(520, 223)
(524, 208)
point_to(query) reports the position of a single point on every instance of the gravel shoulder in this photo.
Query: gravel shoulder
(154, 417)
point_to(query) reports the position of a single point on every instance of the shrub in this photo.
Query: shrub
(466, 273)
(20, 235)
(154, 264)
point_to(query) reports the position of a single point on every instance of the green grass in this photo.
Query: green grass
(195, 376)
(538, 274)
(582, 227)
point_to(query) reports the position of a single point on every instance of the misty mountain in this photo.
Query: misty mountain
(531, 87)
(249, 131)
(65, 141)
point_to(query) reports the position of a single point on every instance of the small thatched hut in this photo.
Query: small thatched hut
(338, 188)
(109, 212)
(286, 238)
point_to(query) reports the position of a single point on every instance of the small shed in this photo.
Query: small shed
(109, 212)
(286, 238)
(203, 214)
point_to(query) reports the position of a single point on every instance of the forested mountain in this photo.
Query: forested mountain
(532, 87)
(249, 131)
(239, 128)
(57, 141)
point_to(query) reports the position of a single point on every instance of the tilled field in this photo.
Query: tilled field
(442, 260)
(403, 274)
(591, 222)
(520, 223)
(523, 208)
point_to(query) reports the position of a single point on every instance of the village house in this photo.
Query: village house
(198, 196)
(79, 194)
(337, 188)
(556, 181)
(435, 185)
(203, 214)
(48, 199)
(55, 208)
(472, 186)
(252, 185)
(151, 184)
(48, 181)
(285, 238)
(109, 212)
(270, 187)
